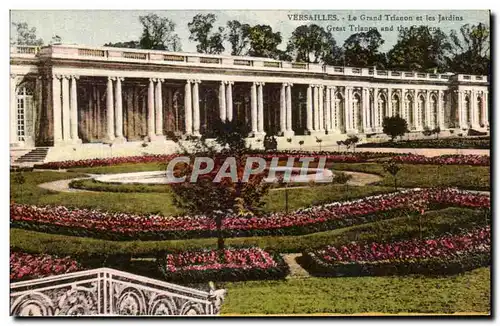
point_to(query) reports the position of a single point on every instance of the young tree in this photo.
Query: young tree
(201, 31)
(392, 168)
(238, 35)
(218, 200)
(24, 35)
(394, 126)
(158, 33)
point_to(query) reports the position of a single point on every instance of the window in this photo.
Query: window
(24, 101)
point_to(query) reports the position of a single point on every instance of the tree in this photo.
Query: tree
(362, 50)
(419, 49)
(264, 42)
(394, 126)
(218, 200)
(56, 39)
(128, 44)
(238, 35)
(25, 35)
(392, 168)
(201, 31)
(310, 43)
(470, 50)
(158, 33)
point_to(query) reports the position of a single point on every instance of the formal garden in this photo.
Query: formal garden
(389, 233)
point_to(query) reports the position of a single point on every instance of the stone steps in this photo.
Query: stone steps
(36, 155)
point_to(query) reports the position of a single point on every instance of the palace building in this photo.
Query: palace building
(83, 102)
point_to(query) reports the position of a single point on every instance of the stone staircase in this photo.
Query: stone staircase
(36, 155)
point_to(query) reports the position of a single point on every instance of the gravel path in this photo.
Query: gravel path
(358, 179)
(296, 271)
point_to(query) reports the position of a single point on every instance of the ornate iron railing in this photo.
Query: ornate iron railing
(109, 292)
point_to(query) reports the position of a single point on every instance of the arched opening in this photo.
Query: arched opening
(410, 112)
(382, 108)
(468, 111)
(434, 111)
(357, 119)
(480, 109)
(420, 111)
(209, 107)
(396, 110)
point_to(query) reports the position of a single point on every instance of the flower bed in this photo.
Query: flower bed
(448, 254)
(476, 142)
(238, 264)
(336, 157)
(24, 266)
(123, 226)
(478, 160)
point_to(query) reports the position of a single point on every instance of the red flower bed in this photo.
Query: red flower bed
(450, 252)
(229, 265)
(123, 226)
(478, 160)
(25, 266)
(336, 157)
(88, 163)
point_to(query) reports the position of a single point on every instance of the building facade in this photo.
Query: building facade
(80, 100)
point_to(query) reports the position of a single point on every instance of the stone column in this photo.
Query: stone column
(151, 109)
(321, 112)
(13, 109)
(365, 110)
(188, 110)
(65, 109)
(475, 109)
(229, 100)
(289, 130)
(328, 109)
(309, 110)
(404, 109)
(316, 107)
(389, 102)
(159, 108)
(376, 112)
(346, 110)
(196, 108)
(56, 106)
(253, 106)
(283, 109)
(222, 101)
(440, 110)
(110, 111)
(260, 108)
(486, 110)
(74, 110)
(428, 118)
(119, 110)
(461, 115)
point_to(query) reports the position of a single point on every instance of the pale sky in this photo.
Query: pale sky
(96, 27)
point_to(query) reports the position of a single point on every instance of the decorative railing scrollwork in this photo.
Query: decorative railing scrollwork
(106, 291)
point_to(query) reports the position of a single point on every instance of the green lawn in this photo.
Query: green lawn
(162, 202)
(461, 176)
(469, 292)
